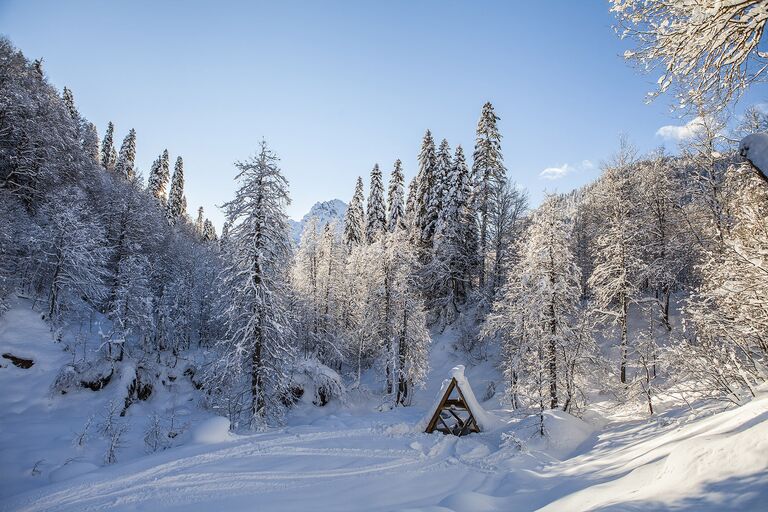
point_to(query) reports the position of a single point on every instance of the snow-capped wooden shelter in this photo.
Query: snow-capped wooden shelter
(457, 411)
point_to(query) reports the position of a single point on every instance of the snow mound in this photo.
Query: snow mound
(485, 420)
(471, 501)
(755, 149)
(564, 433)
(71, 470)
(213, 430)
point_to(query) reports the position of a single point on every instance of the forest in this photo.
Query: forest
(648, 285)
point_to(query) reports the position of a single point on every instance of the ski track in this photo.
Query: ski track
(182, 481)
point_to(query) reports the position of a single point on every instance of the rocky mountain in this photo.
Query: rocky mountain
(325, 211)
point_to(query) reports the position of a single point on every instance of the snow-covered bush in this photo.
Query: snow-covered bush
(313, 382)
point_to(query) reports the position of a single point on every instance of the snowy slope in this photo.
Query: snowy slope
(355, 462)
(355, 457)
(325, 211)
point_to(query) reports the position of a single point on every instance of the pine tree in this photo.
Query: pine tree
(443, 166)
(159, 175)
(108, 159)
(424, 220)
(449, 274)
(489, 175)
(377, 213)
(124, 167)
(199, 222)
(69, 102)
(354, 220)
(259, 333)
(395, 211)
(209, 232)
(175, 207)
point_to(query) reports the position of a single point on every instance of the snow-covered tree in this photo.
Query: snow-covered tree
(537, 317)
(159, 174)
(108, 159)
(259, 340)
(175, 207)
(71, 252)
(395, 199)
(376, 216)
(507, 221)
(709, 49)
(69, 102)
(449, 274)
(354, 220)
(425, 219)
(124, 166)
(408, 343)
(199, 222)
(489, 174)
(209, 232)
(614, 279)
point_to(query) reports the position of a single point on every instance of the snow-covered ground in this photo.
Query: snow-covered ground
(360, 457)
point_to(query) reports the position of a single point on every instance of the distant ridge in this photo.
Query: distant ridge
(325, 211)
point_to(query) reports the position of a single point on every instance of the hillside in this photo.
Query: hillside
(349, 456)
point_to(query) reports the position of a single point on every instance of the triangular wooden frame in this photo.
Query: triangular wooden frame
(452, 422)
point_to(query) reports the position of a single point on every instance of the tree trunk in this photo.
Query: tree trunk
(623, 321)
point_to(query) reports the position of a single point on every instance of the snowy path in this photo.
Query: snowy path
(627, 466)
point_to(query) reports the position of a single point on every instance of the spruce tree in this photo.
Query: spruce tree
(258, 341)
(449, 274)
(209, 232)
(440, 186)
(159, 174)
(175, 206)
(377, 213)
(124, 167)
(425, 181)
(107, 149)
(488, 175)
(199, 222)
(354, 220)
(69, 102)
(395, 207)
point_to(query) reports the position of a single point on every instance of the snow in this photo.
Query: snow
(212, 430)
(755, 149)
(324, 211)
(351, 456)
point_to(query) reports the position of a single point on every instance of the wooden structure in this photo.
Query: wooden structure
(453, 415)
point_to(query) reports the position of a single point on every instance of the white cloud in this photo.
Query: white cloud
(681, 132)
(555, 173)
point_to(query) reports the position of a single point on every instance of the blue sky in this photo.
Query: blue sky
(335, 87)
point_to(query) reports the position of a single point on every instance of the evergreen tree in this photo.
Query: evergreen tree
(175, 207)
(449, 274)
(443, 166)
(354, 220)
(377, 212)
(258, 343)
(209, 232)
(199, 222)
(69, 102)
(124, 166)
(395, 211)
(425, 183)
(159, 175)
(108, 158)
(489, 175)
